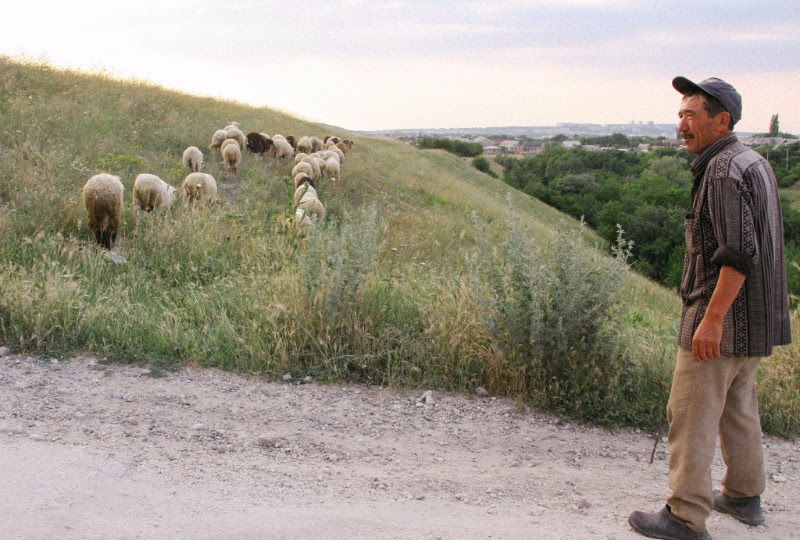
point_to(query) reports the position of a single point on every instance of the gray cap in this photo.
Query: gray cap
(724, 92)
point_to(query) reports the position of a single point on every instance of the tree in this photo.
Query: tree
(774, 126)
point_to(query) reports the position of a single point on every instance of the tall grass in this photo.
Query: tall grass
(380, 292)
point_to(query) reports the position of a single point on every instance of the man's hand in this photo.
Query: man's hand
(706, 340)
(708, 336)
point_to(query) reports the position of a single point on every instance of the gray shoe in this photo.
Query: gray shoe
(664, 525)
(746, 510)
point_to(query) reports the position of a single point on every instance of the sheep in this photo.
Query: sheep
(199, 188)
(316, 144)
(233, 132)
(332, 169)
(292, 140)
(331, 154)
(338, 151)
(151, 193)
(304, 145)
(257, 143)
(345, 145)
(281, 149)
(316, 165)
(303, 178)
(102, 197)
(302, 190)
(216, 139)
(312, 206)
(229, 142)
(193, 159)
(302, 167)
(231, 158)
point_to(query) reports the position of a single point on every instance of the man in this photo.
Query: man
(735, 309)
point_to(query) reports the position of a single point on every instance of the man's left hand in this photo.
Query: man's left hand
(706, 340)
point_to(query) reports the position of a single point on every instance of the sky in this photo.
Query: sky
(392, 64)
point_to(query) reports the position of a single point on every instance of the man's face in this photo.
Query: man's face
(699, 130)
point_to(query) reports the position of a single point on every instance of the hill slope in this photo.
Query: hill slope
(381, 293)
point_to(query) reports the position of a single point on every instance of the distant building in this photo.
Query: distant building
(571, 144)
(492, 150)
(508, 145)
(644, 147)
(483, 141)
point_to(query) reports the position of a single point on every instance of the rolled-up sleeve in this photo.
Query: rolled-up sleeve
(732, 221)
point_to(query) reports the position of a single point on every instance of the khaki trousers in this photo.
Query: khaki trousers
(706, 398)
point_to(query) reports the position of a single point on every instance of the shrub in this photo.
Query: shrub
(552, 312)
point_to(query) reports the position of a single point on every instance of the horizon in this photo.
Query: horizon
(394, 64)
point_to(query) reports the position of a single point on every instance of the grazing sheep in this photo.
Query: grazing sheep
(193, 159)
(316, 144)
(312, 206)
(292, 140)
(302, 190)
(299, 157)
(302, 167)
(151, 193)
(281, 149)
(302, 219)
(257, 143)
(316, 164)
(233, 132)
(303, 178)
(331, 169)
(229, 142)
(102, 197)
(199, 188)
(304, 145)
(345, 145)
(338, 151)
(216, 139)
(231, 158)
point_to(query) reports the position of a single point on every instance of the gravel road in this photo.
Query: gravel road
(96, 450)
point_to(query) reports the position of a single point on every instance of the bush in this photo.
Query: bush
(552, 312)
(483, 165)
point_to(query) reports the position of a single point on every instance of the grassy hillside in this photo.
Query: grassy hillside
(425, 271)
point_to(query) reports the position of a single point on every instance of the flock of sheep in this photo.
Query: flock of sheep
(315, 160)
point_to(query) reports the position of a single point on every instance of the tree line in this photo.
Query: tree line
(646, 193)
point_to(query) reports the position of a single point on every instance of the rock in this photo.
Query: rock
(427, 398)
(332, 458)
(481, 392)
(267, 440)
(778, 478)
(287, 377)
(4, 351)
(308, 379)
(114, 257)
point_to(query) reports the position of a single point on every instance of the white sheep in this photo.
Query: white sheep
(233, 132)
(281, 149)
(302, 167)
(299, 157)
(216, 139)
(302, 190)
(311, 206)
(102, 197)
(304, 145)
(199, 188)
(193, 159)
(332, 169)
(316, 144)
(231, 158)
(151, 193)
(229, 142)
(316, 165)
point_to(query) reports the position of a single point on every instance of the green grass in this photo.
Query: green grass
(381, 292)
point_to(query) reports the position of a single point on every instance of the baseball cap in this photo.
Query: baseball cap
(724, 92)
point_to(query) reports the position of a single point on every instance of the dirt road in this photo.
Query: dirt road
(89, 450)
